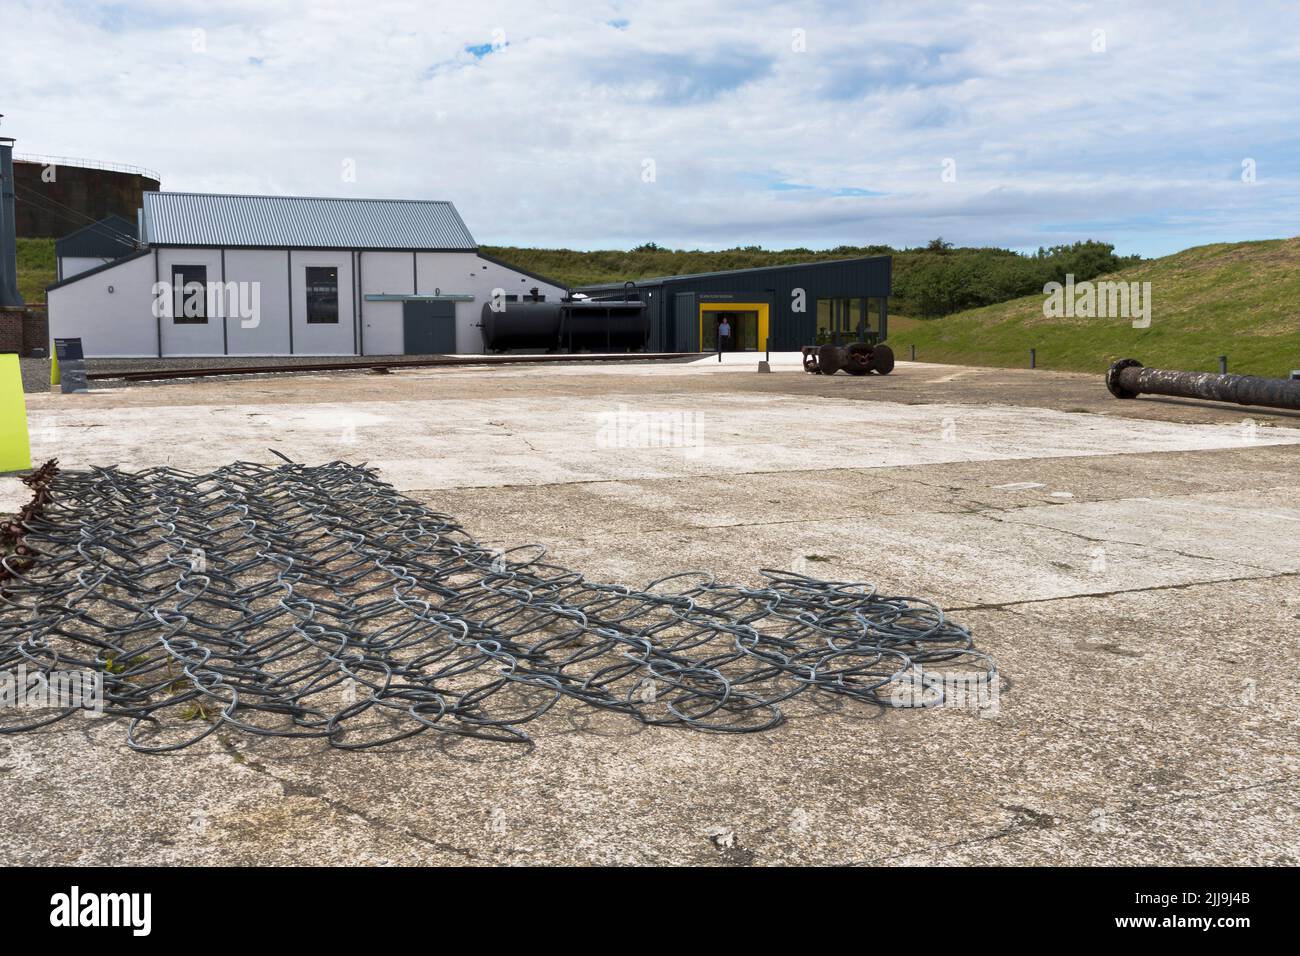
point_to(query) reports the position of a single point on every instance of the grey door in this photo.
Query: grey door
(429, 328)
(686, 319)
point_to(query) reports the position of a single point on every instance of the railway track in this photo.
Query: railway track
(141, 375)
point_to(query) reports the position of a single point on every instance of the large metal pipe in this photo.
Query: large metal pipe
(1127, 378)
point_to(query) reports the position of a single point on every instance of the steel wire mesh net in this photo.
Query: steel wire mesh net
(317, 601)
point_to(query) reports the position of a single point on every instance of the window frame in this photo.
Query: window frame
(187, 276)
(308, 285)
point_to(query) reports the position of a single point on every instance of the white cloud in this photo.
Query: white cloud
(542, 140)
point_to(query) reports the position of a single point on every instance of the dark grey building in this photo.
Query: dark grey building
(93, 246)
(777, 307)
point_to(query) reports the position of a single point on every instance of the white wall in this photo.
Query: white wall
(385, 272)
(70, 266)
(270, 269)
(191, 338)
(438, 273)
(465, 272)
(122, 323)
(319, 338)
(116, 323)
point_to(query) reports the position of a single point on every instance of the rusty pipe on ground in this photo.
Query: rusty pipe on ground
(1127, 378)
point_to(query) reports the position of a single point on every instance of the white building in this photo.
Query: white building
(280, 275)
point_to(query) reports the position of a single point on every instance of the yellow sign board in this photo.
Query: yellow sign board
(15, 448)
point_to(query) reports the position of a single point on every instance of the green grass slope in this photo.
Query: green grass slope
(1236, 299)
(36, 268)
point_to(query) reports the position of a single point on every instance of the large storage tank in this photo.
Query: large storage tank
(57, 195)
(570, 324)
(605, 326)
(521, 325)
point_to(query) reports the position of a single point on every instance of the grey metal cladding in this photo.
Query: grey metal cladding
(302, 222)
(109, 238)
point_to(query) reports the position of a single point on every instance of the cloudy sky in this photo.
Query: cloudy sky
(697, 125)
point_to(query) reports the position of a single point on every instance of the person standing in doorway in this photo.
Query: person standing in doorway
(724, 335)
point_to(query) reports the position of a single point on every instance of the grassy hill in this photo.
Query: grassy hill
(36, 268)
(938, 279)
(1236, 299)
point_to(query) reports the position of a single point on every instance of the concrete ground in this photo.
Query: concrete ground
(1133, 566)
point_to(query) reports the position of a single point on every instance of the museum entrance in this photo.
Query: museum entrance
(747, 322)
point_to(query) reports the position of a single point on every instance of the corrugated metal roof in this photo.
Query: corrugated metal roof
(302, 222)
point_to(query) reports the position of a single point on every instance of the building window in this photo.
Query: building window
(190, 295)
(841, 321)
(322, 295)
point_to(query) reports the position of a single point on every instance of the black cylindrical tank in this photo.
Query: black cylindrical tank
(521, 325)
(613, 326)
(573, 324)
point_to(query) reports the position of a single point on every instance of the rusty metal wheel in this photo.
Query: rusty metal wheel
(882, 360)
(857, 358)
(828, 356)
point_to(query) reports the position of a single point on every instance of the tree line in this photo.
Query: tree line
(929, 281)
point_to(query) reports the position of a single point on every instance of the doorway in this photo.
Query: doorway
(428, 327)
(747, 320)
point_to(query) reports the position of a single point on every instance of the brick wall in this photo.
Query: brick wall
(11, 330)
(22, 330)
(36, 331)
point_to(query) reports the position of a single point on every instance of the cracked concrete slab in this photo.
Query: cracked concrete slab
(486, 442)
(1131, 566)
(1259, 519)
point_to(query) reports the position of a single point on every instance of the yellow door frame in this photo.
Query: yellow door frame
(759, 307)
